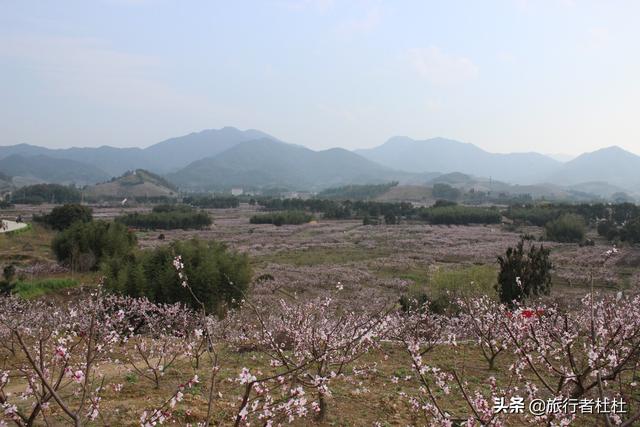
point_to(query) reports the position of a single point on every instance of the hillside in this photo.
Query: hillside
(267, 163)
(136, 184)
(446, 155)
(41, 168)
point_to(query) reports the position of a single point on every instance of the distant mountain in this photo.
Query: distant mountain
(446, 155)
(41, 168)
(163, 157)
(111, 160)
(561, 157)
(268, 163)
(612, 165)
(133, 184)
(176, 153)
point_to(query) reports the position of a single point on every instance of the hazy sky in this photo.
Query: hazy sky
(550, 76)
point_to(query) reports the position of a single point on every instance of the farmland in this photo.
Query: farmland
(360, 267)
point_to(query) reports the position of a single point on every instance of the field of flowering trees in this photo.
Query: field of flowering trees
(320, 339)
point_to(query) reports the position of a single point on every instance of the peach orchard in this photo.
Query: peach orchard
(57, 362)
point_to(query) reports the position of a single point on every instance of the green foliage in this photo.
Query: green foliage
(61, 217)
(346, 209)
(46, 193)
(7, 285)
(168, 207)
(167, 217)
(367, 220)
(356, 192)
(524, 273)
(443, 286)
(84, 245)
(443, 203)
(460, 215)
(535, 215)
(631, 231)
(217, 276)
(218, 202)
(391, 219)
(569, 228)
(445, 191)
(36, 288)
(281, 218)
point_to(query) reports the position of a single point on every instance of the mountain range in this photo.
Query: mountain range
(219, 159)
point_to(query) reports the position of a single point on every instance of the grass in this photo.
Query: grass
(474, 280)
(469, 280)
(36, 288)
(32, 244)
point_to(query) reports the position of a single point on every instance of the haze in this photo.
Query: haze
(547, 76)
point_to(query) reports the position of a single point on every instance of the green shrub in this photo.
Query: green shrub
(608, 229)
(217, 276)
(524, 273)
(631, 230)
(61, 217)
(460, 215)
(281, 218)
(569, 228)
(168, 217)
(84, 244)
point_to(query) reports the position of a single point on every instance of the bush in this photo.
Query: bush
(460, 215)
(569, 228)
(523, 273)
(168, 217)
(608, 229)
(217, 276)
(84, 245)
(281, 218)
(61, 217)
(631, 231)
(391, 219)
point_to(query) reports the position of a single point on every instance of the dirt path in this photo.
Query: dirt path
(8, 226)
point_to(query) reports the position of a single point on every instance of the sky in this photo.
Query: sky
(552, 76)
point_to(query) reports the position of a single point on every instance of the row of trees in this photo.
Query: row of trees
(46, 193)
(212, 202)
(168, 217)
(460, 215)
(370, 212)
(356, 192)
(281, 218)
